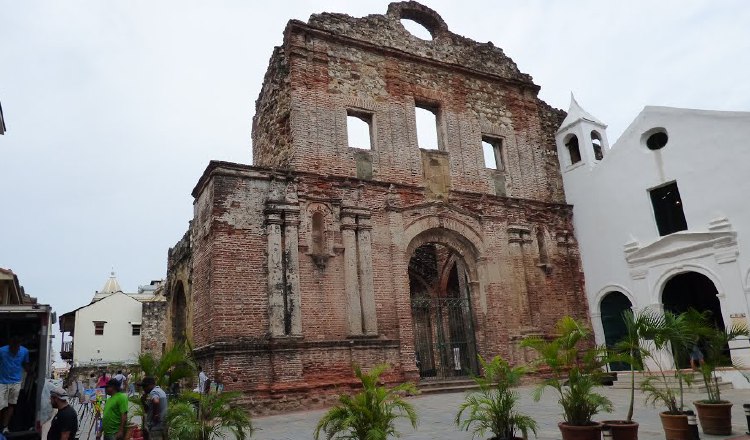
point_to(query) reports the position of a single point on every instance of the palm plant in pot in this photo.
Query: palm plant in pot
(493, 407)
(574, 369)
(630, 350)
(209, 416)
(370, 414)
(715, 414)
(669, 333)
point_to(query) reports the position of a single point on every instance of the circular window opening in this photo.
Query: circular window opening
(416, 29)
(657, 140)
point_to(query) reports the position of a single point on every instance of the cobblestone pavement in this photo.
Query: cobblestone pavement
(437, 413)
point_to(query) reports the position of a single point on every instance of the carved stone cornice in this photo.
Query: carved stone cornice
(519, 234)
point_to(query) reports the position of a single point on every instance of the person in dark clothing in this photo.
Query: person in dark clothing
(65, 423)
(155, 402)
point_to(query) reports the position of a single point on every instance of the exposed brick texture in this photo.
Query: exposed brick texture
(178, 311)
(254, 260)
(153, 327)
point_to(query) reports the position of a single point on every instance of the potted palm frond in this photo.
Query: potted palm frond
(714, 413)
(630, 350)
(493, 407)
(671, 333)
(171, 367)
(370, 414)
(208, 416)
(575, 371)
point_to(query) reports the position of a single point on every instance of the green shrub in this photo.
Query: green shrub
(370, 414)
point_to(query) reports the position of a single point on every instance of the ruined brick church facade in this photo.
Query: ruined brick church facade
(320, 255)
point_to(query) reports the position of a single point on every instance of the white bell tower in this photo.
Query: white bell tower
(581, 139)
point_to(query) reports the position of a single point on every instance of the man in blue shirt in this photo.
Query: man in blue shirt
(14, 359)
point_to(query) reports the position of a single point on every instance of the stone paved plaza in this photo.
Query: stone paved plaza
(437, 412)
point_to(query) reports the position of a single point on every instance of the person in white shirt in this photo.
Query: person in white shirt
(131, 384)
(121, 379)
(202, 379)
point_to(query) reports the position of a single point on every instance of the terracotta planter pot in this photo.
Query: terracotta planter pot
(622, 430)
(675, 426)
(590, 432)
(715, 418)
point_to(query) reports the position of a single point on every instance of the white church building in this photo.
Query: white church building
(107, 330)
(662, 216)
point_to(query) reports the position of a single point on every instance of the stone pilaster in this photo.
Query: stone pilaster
(367, 288)
(274, 222)
(351, 274)
(293, 310)
(517, 236)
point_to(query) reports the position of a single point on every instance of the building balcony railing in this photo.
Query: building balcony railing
(66, 350)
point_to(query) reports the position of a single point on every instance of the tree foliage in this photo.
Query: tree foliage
(172, 366)
(207, 417)
(630, 349)
(575, 371)
(493, 407)
(714, 341)
(674, 333)
(370, 414)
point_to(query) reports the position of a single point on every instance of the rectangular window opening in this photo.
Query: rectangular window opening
(427, 126)
(359, 129)
(492, 149)
(668, 210)
(99, 328)
(136, 329)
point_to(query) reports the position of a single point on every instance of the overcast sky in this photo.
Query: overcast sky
(114, 108)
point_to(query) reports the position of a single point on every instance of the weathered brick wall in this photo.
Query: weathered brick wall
(522, 264)
(236, 347)
(179, 282)
(271, 126)
(154, 327)
(335, 62)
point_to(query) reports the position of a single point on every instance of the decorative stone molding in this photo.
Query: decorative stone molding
(565, 238)
(282, 231)
(323, 251)
(638, 274)
(356, 236)
(519, 234)
(719, 224)
(681, 245)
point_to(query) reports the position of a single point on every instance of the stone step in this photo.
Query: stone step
(698, 386)
(671, 380)
(445, 386)
(622, 375)
(624, 378)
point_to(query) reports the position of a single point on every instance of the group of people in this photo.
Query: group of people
(115, 416)
(125, 380)
(14, 361)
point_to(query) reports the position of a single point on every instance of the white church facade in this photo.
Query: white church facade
(107, 330)
(662, 216)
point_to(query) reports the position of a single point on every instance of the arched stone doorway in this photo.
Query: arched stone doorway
(692, 290)
(442, 317)
(612, 307)
(178, 314)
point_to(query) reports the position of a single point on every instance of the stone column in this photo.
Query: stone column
(293, 312)
(367, 288)
(351, 275)
(516, 238)
(274, 221)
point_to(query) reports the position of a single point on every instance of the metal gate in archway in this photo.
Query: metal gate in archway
(443, 337)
